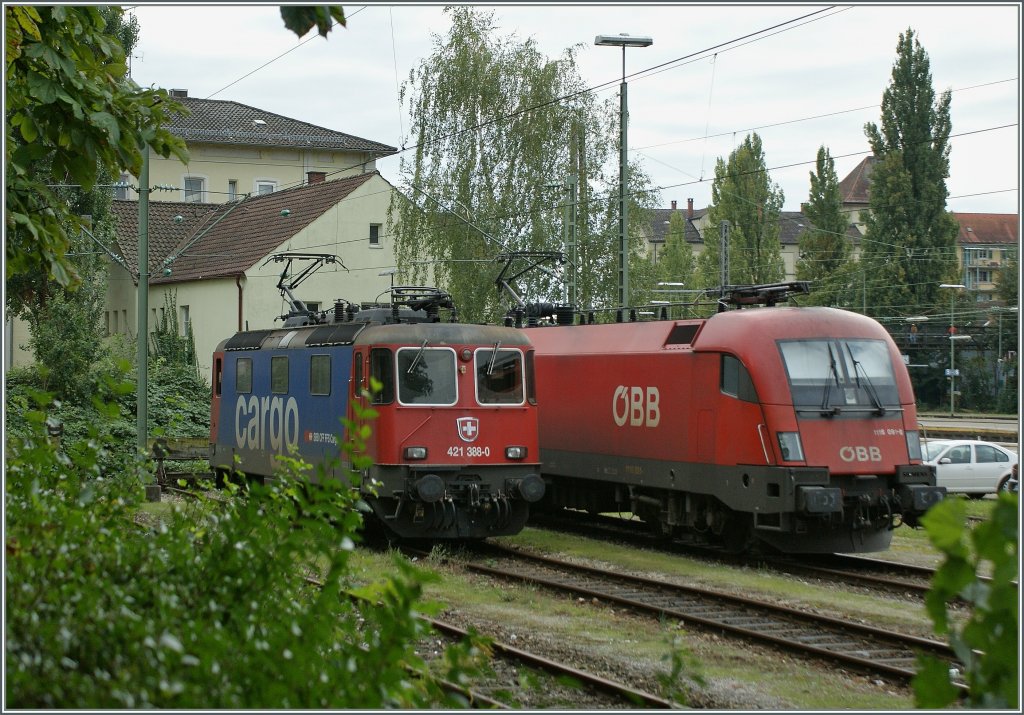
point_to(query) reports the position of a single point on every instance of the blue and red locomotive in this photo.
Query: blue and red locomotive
(454, 445)
(791, 428)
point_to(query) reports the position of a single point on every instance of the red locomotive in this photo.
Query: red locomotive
(791, 428)
(454, 443)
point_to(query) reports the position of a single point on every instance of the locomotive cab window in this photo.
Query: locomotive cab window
(319, 374)
(735, 380)
(426, 376)
(830, 374)
(218, 375)
(382, 370)
(499, 377)
(243, 375)
(279, 375)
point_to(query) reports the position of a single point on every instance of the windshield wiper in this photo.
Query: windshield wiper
(494, 356)
(827, 411)
(859, 370)
(416, 360)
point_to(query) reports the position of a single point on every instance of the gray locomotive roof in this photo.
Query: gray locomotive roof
(368, 333)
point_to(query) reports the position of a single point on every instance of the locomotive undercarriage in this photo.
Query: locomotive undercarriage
(764, 509)
(453, 504)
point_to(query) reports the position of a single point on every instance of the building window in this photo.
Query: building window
(106, 321)
(183, 319)
(232, 190)
(266, 187)
(124, 320)
(195, 186)
(375, 235)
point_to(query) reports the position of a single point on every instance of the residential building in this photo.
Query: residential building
(984, 244)
(697, 225)
(216, 260)
(236, 150)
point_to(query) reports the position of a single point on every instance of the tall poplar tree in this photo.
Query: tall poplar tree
(744, 195)
(909, 246)
(824, 248)
(494, 124)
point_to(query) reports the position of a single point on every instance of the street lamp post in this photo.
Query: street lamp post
(952, 343)
(623, 40)
(1000, 379)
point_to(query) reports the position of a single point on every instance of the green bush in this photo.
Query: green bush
(207, 609)
(988, 644)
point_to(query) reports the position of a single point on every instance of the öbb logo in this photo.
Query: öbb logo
(636, 405)
(860, 454)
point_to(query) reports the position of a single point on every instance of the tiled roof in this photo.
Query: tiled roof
(224, 122)
(853, 189)
(660, 223)
(791, 225)
(988, 229)
(217, 240)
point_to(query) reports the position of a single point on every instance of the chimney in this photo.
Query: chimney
(689, 208)
(179, 93)
(673, 204)
(316, 177)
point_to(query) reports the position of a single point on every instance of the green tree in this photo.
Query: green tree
(824, 248)
(744, 195)
(70, 105)
(909, 246)
(1007, 278)
(676, 262)
(493, 122)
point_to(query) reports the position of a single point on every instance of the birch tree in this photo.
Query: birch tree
(497, 131)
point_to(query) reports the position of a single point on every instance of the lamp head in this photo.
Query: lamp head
(286, 212)
(623, 39)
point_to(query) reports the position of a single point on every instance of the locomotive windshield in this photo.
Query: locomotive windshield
(426, 376)
(832, 375)
(499, 377)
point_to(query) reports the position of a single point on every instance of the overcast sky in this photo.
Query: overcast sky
(804, 84)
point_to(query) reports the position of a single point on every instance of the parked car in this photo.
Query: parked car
(971, 466)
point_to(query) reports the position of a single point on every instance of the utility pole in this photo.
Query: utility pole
(142, 358)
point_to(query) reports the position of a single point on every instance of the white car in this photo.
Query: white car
(968, 466)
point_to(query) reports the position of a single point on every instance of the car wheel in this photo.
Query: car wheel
(1004, 484)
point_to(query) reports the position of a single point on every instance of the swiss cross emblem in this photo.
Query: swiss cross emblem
(469, 428)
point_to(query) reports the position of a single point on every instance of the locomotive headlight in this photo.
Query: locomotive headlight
(415, 452)
(515, 452)
(914, 443)
(789, 445)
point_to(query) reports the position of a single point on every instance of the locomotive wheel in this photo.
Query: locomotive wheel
(738, 533)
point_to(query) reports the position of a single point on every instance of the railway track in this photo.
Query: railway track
(877, 651)
(876, 574)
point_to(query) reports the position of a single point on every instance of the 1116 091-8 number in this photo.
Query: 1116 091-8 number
(458, 450)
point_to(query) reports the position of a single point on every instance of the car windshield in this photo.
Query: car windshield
(833, 374)
(933, 449)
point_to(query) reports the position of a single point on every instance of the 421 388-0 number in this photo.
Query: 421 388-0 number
(458, 450)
